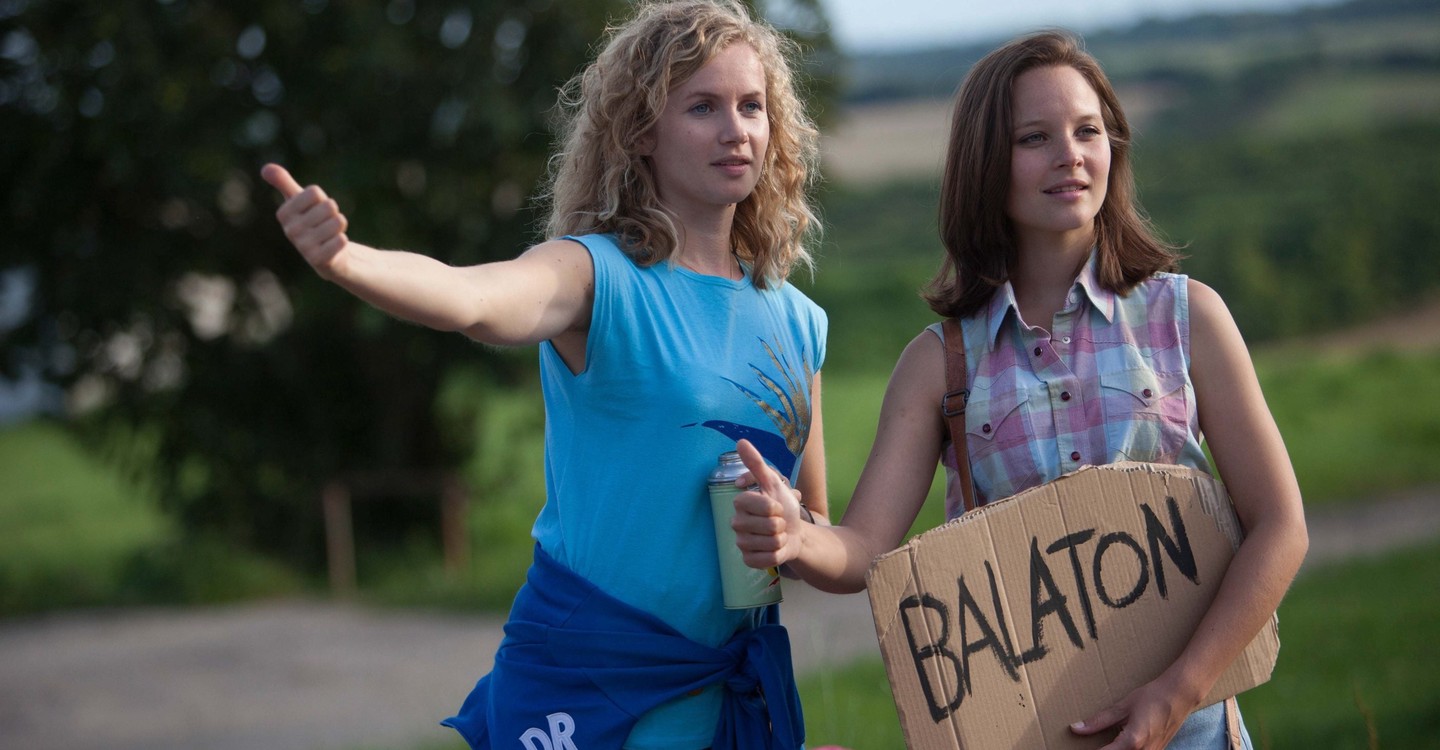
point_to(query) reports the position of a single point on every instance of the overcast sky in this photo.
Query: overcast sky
(895, 24)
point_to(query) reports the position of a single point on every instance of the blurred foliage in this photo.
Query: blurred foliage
(1308, 234)
(209, 360)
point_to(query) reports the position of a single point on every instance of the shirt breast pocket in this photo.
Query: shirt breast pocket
(1147, 415)
(1001, 441)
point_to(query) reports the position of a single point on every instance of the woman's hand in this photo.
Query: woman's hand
(311, 220)
(545, 294)
(768, 521)
(1148, 718)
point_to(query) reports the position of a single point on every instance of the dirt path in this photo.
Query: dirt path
(1417, 329)
(313, 675)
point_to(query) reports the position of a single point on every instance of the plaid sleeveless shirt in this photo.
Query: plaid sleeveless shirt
(1109, 382)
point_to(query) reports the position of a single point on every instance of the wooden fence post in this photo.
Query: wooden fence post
(335, 500)
(339, 538)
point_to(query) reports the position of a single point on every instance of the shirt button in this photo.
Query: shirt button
(1038, 351)
(1074, 455)
(1147, 393)
(986, 428)
(1065, 340)
(1065, 395)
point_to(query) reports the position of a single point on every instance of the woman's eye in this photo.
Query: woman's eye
(1032, 138)
(753, 107)
(701, 109)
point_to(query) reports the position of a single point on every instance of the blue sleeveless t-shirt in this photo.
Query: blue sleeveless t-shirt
(678, 366)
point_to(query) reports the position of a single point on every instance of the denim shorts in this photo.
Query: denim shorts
(1207, 729)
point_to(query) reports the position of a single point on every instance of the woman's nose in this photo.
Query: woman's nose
(1070, 154)
(734, 130)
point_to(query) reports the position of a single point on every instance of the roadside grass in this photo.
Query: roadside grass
(66, 521)
(1357, 655)
(72, 533)
(63, 506)
(1357, 425)
(1356, 658)
(852, 409)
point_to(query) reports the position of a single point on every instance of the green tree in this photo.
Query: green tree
(821, 63)
(216, 365)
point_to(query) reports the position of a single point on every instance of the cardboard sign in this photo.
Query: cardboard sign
(1005, 625)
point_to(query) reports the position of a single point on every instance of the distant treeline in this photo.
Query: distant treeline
(1195, 49)
(1296, 163)
(1304, 235)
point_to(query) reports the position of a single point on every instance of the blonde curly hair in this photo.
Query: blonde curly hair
(600, 182)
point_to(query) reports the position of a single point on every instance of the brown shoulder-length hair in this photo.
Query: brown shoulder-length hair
(979, 239)
(600, 180)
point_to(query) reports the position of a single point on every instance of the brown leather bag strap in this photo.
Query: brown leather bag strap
(952, 404)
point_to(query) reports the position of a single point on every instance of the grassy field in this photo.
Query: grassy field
(1356, 668)
(1343, 103)
(72, 533)
(66, 522)
(1348, 434)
